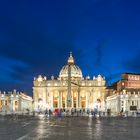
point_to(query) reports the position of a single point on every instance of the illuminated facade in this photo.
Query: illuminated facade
(126, 96)
(82, 93)
(15, 101)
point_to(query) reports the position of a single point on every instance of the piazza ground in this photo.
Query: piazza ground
(70, 128)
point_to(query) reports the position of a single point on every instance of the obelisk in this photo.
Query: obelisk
(69, 97)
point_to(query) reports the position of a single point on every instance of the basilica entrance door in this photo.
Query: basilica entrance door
(55, 104)
(55, 101)
(83, 104)
(83, 101)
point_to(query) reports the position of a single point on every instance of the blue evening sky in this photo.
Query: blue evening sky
(36, 37)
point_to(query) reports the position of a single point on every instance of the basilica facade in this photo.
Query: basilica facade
(70, 86)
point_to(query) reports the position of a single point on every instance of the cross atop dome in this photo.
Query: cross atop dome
(70, 59)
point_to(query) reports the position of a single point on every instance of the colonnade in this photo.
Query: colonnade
(58, 99)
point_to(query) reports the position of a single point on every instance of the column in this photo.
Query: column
(79, 100)
(119, 103)
(66, 100)
(124, 107)
(72, 99)
(87, 100)
(48, 98)
(11, 105)
(92, 93)
(61, 99)
(60, 102)
(128, 105)
(45, 96)
(51, 99)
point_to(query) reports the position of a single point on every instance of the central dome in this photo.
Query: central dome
(75, 70)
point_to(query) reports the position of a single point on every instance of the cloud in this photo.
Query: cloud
(100, 49)
(41, 53)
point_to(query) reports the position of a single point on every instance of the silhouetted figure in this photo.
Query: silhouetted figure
(108, 112)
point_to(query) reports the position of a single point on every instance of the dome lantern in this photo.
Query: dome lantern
(70, 59)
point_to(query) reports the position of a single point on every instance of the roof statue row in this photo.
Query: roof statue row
(41, 78)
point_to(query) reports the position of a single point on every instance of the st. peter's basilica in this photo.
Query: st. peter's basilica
(69, 90)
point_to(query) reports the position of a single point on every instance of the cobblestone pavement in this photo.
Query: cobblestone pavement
(70, 128)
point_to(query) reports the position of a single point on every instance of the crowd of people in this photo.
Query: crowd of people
(69, 112)
(72, 112)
